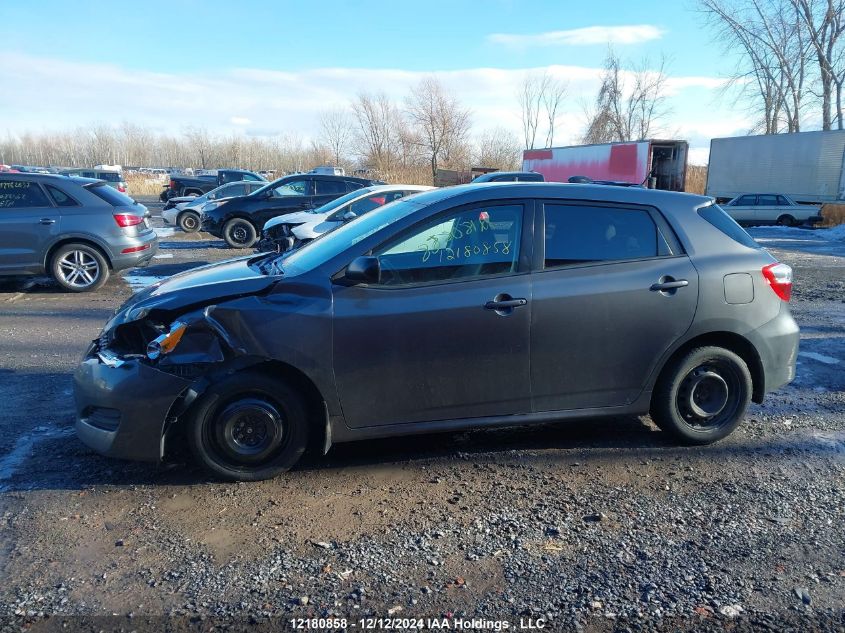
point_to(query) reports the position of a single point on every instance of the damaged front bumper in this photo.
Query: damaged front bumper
(123, 406)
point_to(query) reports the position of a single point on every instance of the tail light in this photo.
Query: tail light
(779, 277)
(121, 188)
(125, 220)
(172, 184)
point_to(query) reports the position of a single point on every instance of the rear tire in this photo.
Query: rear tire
(702, 396)
(786, 220)
(189, 221)
(79, 268)
(248, 427)
(239, 233)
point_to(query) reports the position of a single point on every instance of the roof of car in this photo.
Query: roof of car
(375, 188)
(55, 177)
(599, 193)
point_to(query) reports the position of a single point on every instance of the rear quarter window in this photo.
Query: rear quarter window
(716, 216)
(110, 195)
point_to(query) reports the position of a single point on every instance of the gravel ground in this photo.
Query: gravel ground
(595, 526)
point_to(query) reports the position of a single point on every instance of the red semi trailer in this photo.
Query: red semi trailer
(654, 164)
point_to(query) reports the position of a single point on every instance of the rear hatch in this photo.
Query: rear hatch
(132, 218)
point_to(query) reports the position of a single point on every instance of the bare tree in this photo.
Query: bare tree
(199, 144)
(499, 148)
(441, 122)
(336, 132)
(530, 97)
(774, 43)
(629, 105)
(377, 122)
(825, 26)
(553, 97)
(540, 97)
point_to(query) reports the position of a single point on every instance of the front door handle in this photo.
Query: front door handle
(46, 221)
(505, 304)
(670, 285)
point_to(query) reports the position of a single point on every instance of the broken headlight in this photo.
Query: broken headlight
(167, 342)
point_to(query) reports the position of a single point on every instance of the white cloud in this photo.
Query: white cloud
(588, 35)
(259, 102)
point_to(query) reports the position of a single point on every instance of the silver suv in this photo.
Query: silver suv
(74, 229)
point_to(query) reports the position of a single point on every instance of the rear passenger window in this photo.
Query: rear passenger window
(767, 201)
(578, 234)
(15, 194)
(330, 187)
(60, 197)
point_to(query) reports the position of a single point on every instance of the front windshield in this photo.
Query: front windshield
(335, 242)
(339, 202)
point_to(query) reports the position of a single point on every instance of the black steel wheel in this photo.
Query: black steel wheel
(786, 220)
(702, 397)
(248, 427)
(239, 233)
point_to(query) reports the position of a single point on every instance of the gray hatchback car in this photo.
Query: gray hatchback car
(74, 229)
(472, 306)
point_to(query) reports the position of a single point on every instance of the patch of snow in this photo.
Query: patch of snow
(827, 360)
(163, 256)
(139, 282)
(11, 461)
(164, 231)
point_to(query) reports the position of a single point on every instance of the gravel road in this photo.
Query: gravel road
(594, 526)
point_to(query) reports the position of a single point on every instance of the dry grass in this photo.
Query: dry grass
(696, 178)
(141, 185)
(833, 214)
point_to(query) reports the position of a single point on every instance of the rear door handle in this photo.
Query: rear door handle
(505, 304)
(670, 285)
(46, 221)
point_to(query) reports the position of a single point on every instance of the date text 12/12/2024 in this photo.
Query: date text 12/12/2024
(417, 624)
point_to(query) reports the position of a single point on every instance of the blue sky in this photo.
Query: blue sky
(261, 67)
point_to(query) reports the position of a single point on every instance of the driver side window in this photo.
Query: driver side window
(294, 188)
(468, 243)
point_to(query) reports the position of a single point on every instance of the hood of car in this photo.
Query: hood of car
(200, 286)
(299, 217)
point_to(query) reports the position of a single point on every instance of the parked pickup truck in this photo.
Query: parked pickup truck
(198, 185)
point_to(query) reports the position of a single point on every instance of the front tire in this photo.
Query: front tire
(79, 268)
(702, 396)
(248, 427)
(189, 221)
(239, 233)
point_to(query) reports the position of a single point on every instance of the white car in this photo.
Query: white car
(287, 232)
(185, 210)
(771, 208)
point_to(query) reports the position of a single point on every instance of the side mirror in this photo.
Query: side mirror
(364, 269)
(349, 215)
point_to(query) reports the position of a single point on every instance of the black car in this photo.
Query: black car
(509, 176)
(470, 306)
(239, 220)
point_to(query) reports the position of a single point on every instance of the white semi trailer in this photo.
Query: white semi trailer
(807, 166)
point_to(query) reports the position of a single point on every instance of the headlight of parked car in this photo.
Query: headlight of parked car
(167, 342)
